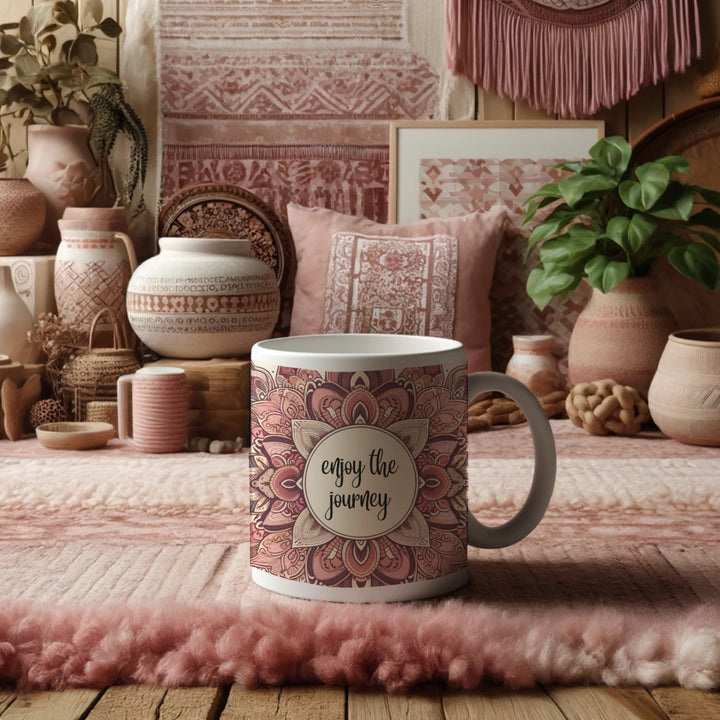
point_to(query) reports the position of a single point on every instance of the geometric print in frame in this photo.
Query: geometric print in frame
(457, 186)
(381, 284)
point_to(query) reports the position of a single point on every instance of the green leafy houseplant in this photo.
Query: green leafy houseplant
(49, 73)
(612, 220)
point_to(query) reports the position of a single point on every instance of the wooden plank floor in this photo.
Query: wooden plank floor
(326, 703)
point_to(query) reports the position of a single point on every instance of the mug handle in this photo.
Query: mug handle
(543, 483)
(124, 401)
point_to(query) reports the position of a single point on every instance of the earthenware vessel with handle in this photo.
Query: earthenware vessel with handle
(93, 265)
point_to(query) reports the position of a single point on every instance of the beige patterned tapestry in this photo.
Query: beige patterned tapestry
(292, 100)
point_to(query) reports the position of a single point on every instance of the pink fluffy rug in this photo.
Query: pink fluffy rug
(393, 647)
(122, 568)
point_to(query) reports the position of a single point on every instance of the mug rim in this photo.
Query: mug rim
(386, 347)
(160, 370)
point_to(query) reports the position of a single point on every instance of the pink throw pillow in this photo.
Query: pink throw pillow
(430, 277)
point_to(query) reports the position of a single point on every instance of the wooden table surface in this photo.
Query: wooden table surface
(337, 703)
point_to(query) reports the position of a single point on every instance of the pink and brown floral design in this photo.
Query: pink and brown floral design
(422, 410)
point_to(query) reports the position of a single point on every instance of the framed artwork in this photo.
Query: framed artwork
(446, 169)
(443, 168)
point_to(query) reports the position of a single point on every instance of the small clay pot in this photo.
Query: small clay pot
(684, 396)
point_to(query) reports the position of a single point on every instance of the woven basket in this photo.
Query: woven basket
(93, 373)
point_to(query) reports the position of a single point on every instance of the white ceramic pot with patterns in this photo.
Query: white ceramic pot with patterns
(684, 396)
(200, 298)
(93, 265)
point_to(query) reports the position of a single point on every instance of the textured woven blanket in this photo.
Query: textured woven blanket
(120, 567)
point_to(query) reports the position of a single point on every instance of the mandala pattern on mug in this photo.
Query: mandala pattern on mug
(294, 411)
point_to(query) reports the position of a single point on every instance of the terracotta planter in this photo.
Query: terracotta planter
(22, 209)
(620, 335)
(201, 298)
(61, 165)
(684, 397)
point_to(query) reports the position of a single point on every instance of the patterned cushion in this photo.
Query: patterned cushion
(430, 277)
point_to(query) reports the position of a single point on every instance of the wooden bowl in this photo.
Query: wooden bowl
(74, 435)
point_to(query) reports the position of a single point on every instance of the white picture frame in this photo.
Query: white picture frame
(413, 141)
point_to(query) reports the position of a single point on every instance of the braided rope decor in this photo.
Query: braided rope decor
(604, 406)
(496, 409)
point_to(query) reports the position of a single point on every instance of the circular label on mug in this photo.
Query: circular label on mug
(360, 482)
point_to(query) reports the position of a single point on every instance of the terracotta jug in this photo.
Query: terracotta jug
(94, 263)
(684, 396)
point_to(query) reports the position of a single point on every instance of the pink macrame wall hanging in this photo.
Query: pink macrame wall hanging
(570, 57)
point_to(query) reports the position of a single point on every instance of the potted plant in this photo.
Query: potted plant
(608, 222)
(50, 76)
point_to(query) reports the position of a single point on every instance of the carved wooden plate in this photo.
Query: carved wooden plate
(215, 210)
(693, 133)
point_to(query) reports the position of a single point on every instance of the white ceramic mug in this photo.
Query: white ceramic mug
(358, 466)
(153, 409)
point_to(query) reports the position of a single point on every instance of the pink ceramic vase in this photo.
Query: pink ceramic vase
(620, 335)
(684, 396)
(62, 166)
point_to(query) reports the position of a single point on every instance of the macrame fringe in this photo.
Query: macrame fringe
(570, 66)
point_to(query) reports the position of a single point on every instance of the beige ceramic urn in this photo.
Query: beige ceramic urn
(201, 298)
(684, 396)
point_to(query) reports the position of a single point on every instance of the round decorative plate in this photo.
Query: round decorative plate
(693, 133)
(217, 210)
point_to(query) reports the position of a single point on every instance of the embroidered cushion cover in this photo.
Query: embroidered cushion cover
(430, 277)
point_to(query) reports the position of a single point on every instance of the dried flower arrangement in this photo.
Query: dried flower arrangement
(59, 341)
